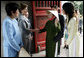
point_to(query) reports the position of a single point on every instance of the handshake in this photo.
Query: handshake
(34, 30)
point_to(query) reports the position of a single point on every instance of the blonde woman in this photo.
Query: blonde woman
(25, 27)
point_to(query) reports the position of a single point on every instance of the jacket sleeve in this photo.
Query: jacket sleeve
(21, 44)
(61, 32)
(45, 28)
(12, 42)
(71, 31)
(23, 26)
(31, 26)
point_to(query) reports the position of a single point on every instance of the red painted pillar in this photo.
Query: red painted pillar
(40, 3)
(34, 24)
(49, 3)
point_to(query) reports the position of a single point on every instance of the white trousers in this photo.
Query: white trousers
(56, 49)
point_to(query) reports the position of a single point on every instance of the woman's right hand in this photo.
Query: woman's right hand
(34, 30)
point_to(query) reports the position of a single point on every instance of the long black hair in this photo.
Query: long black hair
(69, 10)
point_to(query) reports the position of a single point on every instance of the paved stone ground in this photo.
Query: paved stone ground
(40, 54)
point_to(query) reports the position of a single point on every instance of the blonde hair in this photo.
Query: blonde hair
(23, 6)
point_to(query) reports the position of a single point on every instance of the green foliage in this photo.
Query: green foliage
(76, 6)
(81, 8)
(79, 5)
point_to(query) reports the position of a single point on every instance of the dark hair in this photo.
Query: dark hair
(69, 10)
(23, 6)
(75, 11)
(11, 7)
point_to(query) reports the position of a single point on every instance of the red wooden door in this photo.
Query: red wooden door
(40, 19)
